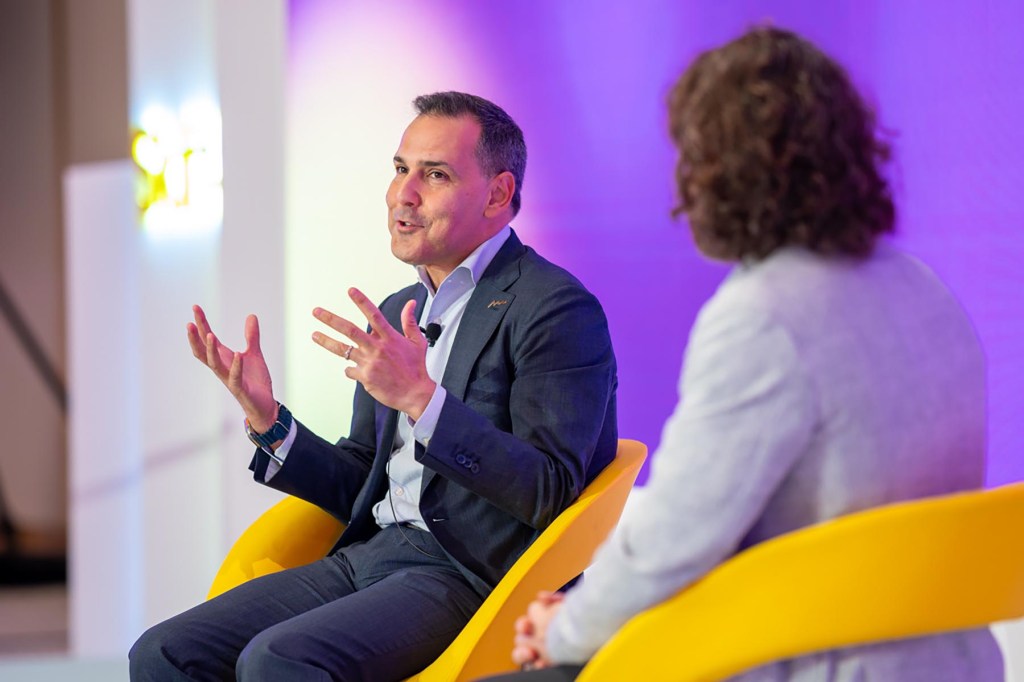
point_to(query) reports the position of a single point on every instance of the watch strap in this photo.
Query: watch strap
(277, 432)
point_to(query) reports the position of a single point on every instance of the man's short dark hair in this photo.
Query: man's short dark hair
(776, 147)
(501, 146)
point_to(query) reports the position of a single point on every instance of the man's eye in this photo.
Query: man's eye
(437, 175)
(401, 170)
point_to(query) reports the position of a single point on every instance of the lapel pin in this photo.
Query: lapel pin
(495, 303)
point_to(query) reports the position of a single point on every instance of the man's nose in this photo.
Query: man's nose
(407, 192)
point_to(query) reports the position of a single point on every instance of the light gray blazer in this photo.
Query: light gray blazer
(812, 387)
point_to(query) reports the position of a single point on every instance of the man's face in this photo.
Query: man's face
(437, 199)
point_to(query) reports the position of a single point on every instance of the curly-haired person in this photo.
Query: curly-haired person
(829, 373)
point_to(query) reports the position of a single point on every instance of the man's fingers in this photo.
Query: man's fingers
(337, 347)
(201, 323)
(343, 326)
(374, 316)
(195, 342)
(410, 327)
(252, 335)
(213, 360)
(205, 345)
(234, 381)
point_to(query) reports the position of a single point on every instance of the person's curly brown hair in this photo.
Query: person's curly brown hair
(777, 148)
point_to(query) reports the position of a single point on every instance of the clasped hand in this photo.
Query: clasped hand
(530, 649)
(390, 364)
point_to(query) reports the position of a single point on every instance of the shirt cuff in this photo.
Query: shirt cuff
(277, 461)
(423, 429)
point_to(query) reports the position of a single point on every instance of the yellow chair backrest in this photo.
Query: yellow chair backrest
(294, 532)
(903, 570)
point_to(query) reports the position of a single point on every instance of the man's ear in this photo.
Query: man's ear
(503, 186)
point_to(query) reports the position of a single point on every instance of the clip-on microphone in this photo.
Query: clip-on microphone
(432, 332)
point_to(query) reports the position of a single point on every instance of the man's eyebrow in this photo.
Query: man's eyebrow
(425, 164)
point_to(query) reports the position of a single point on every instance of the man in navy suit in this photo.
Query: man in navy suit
(485, 403)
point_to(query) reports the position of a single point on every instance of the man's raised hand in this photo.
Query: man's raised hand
(390, 364)
(245, 374)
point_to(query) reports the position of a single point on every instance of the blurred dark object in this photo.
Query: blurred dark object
(20, 563)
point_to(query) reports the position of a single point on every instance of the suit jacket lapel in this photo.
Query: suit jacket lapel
(484, 312)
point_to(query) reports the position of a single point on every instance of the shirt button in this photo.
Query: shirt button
(399, 492)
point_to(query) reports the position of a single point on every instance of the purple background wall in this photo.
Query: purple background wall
(587, 82)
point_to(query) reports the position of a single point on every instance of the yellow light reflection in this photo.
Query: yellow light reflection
(180, 188)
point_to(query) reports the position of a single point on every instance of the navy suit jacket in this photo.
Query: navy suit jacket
(528, 421)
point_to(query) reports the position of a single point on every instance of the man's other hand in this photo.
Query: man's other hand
(391, 365)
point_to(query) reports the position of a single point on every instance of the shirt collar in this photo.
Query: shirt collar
(475, 263)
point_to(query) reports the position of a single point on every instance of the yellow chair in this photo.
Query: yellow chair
(903, 570)
(294, 532)
(291, 533)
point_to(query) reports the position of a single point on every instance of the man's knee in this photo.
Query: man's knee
(174, 650)
(148, 658)
(275, 654)
(254, 659)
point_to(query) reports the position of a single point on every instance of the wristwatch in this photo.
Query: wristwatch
(276, 432)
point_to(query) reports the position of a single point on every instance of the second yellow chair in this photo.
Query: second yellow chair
(902, 570)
